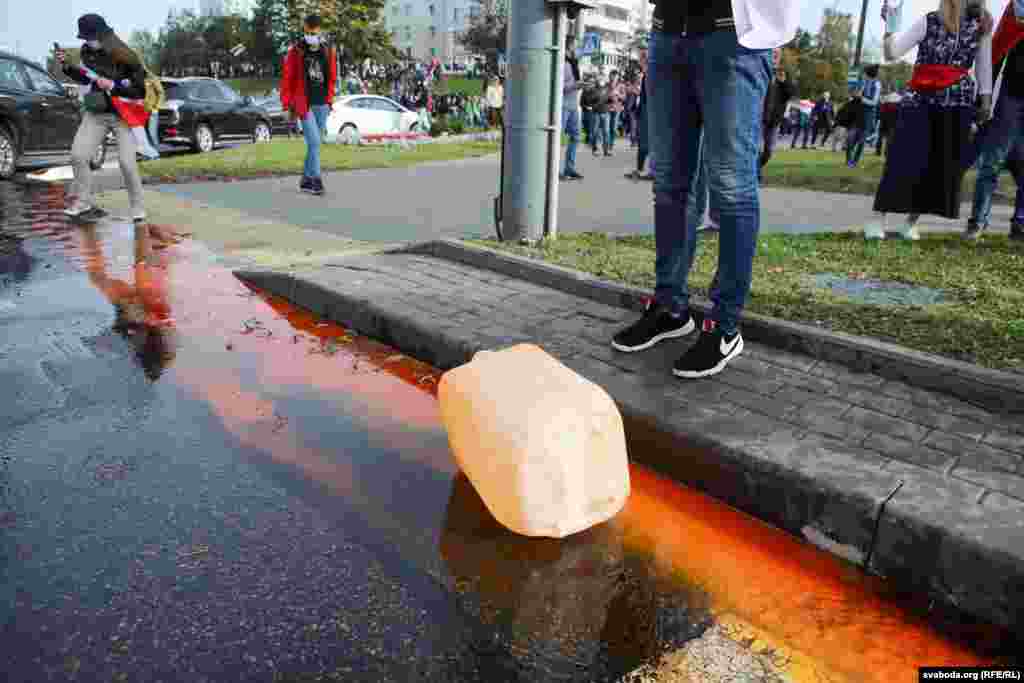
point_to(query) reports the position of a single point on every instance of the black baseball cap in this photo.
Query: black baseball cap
(92, 27)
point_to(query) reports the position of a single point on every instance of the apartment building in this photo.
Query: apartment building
(616, 23)
(425, 29)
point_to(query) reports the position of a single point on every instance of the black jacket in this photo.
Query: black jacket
(118, 70)
(779, 95)
(594, 100)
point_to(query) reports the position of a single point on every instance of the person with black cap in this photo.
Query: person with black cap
(116, 93)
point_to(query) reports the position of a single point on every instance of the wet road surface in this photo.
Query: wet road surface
(200, 483)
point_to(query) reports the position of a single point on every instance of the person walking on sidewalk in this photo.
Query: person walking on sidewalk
(1006, 130)
(616, 94)
(710, 66)
(597, 97)
(571, 86)
(824, 115)
(643, 146)
(307, 92)
(118, 92)
(870, 95)
(924, 169)
(802, 127)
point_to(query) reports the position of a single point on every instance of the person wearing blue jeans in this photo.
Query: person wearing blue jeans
(1003, 136)
(571, 86)
(870, 96)
(708, 74)
(313, 131)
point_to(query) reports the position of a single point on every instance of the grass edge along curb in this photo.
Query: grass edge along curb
(994, 390)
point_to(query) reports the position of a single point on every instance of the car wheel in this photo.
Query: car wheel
(100, 157)
(202, 141)
(262, 132)
(348, 135)
(8, 155)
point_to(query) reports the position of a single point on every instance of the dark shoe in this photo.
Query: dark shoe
(608, 153)
(656, 325)
(710, 354)
(974, 230)
(1017, 231)
(318, 187)
(573, 175)
(306, 184)
(633, 175)
(646, 176)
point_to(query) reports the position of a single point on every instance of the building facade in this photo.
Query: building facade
(620, 27)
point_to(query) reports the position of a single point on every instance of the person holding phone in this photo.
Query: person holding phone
(117, 88)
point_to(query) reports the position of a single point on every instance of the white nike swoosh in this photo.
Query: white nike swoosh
(726, 349)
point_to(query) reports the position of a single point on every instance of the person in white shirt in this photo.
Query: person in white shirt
(710, 64)
(923, 171)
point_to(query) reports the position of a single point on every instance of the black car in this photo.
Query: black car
(200, 112)
(280, 122)
(38, 118)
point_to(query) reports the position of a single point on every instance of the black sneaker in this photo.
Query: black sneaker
(1017, 231)
(573, 175)
(656, 325)
(318, 187)
(710, 354)
(306, 184)
(974, 230)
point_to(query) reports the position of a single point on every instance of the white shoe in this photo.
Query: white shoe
(909, 232)
(78, 209)
(875, 230)
(138, 216)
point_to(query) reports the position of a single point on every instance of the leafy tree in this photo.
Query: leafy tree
(487, 34)
(148, 47)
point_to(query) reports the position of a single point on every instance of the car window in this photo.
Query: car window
(43, 82)
(11, 75)
(360, 103)
(175, 91)
(384, 105)
(208, 90)
(227, 92)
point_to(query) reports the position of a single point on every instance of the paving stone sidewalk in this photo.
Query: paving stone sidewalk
(903, 481)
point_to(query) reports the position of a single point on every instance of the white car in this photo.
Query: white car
(357, 116)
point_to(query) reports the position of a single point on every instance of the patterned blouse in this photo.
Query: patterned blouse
(939, 46)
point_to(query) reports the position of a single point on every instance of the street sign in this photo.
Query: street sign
(591, 43)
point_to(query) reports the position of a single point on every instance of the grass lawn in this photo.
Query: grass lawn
(826, 171)
(980, 320)
(285, 157)
(461, 84)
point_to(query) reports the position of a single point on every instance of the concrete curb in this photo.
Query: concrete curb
(857, 508)
(996, 391)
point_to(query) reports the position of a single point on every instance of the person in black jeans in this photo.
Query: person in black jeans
(781, 91)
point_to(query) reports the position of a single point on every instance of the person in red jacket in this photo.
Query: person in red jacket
(307, 92)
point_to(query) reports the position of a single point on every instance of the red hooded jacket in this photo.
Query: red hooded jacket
(293, 81)
(1007, 35)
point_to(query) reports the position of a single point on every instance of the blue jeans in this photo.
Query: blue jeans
(588, 127)
(1004, 132)
(571, 128)
(859, 136)
(708, 87)
(601, 132)
(613, 128)
(312, 129)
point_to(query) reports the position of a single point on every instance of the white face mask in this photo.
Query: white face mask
(313, 40)
(93, 44)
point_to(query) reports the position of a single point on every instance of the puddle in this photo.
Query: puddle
(879, 292)
(216, 485)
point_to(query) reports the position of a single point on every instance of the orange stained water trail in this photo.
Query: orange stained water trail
(833, 622)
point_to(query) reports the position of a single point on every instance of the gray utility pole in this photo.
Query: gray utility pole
(533, 116)
(860, 33)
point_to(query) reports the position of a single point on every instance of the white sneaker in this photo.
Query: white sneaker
(138, 215)
(875, 230)
(78, 209)
(909, 232)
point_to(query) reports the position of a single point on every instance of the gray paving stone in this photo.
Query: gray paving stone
(907, 451)
(785, 359)
(844, 376)
(830, 406)
(837, 428)
(879, 423)
(993, 481)
(1006, 440)
(761, 405)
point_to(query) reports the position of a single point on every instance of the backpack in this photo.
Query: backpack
(154, 92)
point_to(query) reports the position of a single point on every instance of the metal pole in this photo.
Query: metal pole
(555, 123)
(528, 93)
(860, 33)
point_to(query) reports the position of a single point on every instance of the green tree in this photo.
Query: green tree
(147, 46)
(487, 34)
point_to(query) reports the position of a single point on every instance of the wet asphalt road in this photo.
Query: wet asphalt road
(195, 487)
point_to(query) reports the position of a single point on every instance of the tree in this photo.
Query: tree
(148, 47)
(487, 34)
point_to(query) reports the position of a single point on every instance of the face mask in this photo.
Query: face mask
(93, 44)
(313, 40)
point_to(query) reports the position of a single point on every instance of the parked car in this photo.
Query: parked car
(280, 124)
(200, 112)
(38, 118)
(354, 116)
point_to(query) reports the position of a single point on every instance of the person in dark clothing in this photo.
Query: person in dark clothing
(117, 87)
(595, 98)
(888, 112)
(823, 118)
(307, 91)
(781, 91)
(643, 136)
